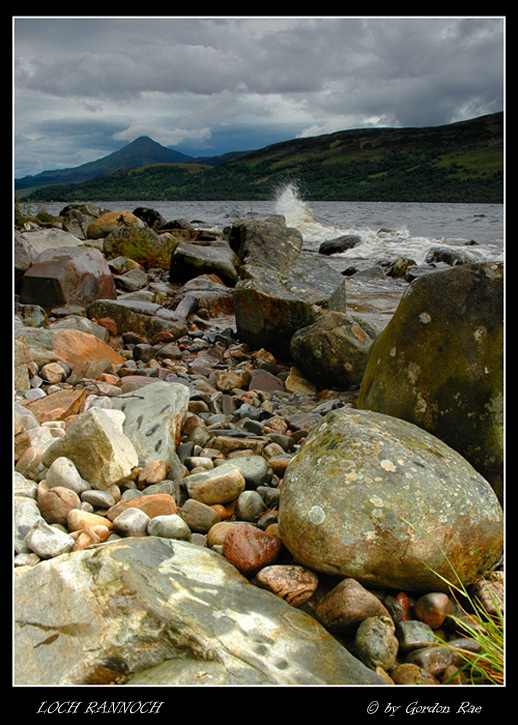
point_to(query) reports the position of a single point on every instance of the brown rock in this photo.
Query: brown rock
(434, 658)
(295, 584)
(217, 533)
(110, 222)
(58, 405)
(156, 504)
(490, 594)
(227, 445)
(153, 472)
(56, 503)
(410, 674)
(53, 373)
(349, 603)
(433, 608)
(275, 424)
(265, 381)
(92, 535)
(67, 275)
(219, 485)
(108, 324)
(70, 346)
(265, 356)
(198, 516)
(250, 549)
(230, 379)
(279, 464)
(78, 519)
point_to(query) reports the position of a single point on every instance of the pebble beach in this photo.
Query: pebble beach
(170, 427)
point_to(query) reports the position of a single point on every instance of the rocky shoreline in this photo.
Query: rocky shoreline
(183, 431)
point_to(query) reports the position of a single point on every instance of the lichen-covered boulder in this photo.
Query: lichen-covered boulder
(333, 351)
(270, 305)
(439, 363)
(380, 500)
(110, 221)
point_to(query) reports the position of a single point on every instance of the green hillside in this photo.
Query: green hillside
(461, 162)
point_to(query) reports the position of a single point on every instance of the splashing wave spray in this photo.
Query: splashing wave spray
(375, 243)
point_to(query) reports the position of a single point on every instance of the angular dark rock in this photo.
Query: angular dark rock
(270, 306)
(67, 276)
(267, 241)
(191, 260)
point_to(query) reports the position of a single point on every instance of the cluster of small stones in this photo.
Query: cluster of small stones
(247, 415)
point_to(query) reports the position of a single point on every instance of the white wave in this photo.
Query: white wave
(375, 243)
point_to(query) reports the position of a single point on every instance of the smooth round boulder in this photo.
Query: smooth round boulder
(110, 222)
(379, 499)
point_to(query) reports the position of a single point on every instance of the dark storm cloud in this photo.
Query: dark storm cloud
(200, 84)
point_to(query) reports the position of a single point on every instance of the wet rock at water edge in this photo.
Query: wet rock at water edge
(270, 306)
(191, 260)
(340, 244)
(267, 241)
(333, 351)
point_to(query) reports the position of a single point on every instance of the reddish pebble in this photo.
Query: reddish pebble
(109, 324)
(406, 604)
(249, 548)
(433, 608)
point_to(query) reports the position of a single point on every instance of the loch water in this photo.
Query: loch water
(386, 229)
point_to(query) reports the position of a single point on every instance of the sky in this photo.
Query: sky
(84, 87)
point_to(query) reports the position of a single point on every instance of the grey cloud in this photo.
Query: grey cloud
(194, 80)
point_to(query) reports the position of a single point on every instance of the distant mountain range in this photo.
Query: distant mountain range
(459, 162)
(141, 152)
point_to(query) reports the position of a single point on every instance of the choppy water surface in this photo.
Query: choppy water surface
(387, 230)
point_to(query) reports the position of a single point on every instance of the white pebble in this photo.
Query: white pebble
(47, 541)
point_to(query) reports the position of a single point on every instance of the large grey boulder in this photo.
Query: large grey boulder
(270, 305)
(24, 257)
(382, 501)
(97, 446)
(190, 260)
(155, 611)
(439, 363)
(267, 242)
(53, 238)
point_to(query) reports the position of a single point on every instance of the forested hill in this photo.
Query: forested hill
(460, 162)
